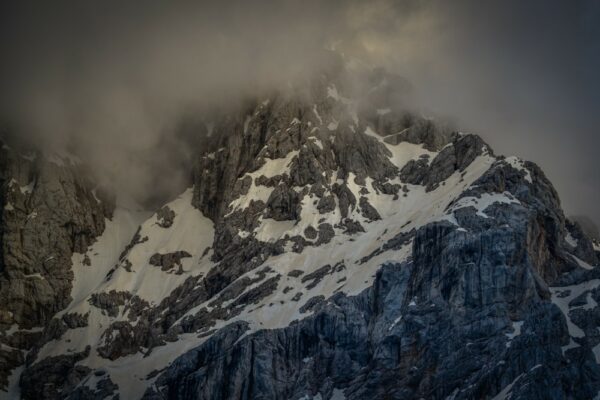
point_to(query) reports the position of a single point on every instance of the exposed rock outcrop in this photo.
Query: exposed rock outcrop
(50, 209)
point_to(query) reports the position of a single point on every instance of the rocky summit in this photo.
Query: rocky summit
(331, 246)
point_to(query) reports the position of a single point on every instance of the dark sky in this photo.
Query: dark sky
(523, 74)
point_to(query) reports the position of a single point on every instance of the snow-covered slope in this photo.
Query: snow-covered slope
(192, 232)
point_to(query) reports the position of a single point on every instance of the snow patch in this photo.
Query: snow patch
(318, 143)
(582, 263)
(13, 390)
(395, 323)
(210, 127)
(338, 394)
(317, 114)
(27, 189)
(505, 393)
(562, 300)
(34, 276)
(247, 123)
(483, 202)
(519, 164)
(63, 159)
(571, 240)
(402, 152)
(29, 157)
(271, 168)
(516, 325)
(572, 344)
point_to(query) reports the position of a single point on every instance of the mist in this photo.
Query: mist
(114, 78)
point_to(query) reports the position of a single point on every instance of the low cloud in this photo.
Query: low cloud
(117, 76)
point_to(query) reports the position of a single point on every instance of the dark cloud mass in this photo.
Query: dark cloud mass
(118, 75)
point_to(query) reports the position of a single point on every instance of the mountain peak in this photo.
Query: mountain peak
(330, 244)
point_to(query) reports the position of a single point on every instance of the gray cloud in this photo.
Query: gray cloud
(117, 75)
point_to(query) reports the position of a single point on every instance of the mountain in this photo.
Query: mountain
(331, 246)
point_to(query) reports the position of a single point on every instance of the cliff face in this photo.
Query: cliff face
(49, 211)
(331, 247)
(469, 311)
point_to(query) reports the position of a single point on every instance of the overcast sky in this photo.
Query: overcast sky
(523, 74)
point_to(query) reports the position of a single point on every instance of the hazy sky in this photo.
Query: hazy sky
(523, 74)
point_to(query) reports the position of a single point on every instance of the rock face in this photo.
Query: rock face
(331, 247)
(168, 261)
(473, 295)
(50, 210)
